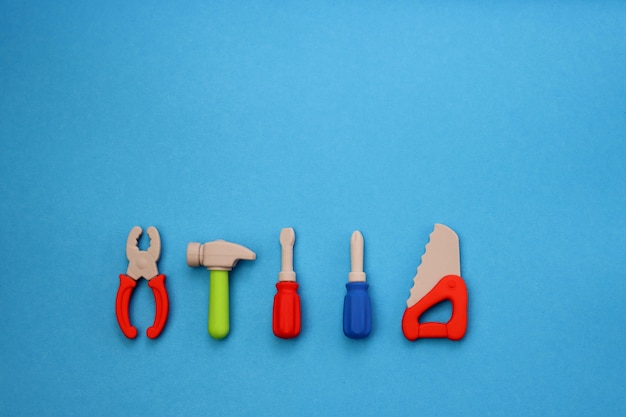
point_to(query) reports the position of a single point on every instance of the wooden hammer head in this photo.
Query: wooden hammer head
(217, 255)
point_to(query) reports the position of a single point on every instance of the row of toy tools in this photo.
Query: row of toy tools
(437, 279)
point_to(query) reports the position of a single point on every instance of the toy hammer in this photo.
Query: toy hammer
(218, 257)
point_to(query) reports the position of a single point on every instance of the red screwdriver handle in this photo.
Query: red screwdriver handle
(162, 305)
(451, 288)
(122, 300)
(286, 314)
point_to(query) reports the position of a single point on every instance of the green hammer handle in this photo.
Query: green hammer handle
(219, 322)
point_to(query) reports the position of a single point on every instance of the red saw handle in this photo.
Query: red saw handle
(286, 314)
(452, 288)
(122, 300)
(162, 305)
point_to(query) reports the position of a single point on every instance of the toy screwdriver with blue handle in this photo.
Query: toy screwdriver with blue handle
(142, 264)
(357, 309)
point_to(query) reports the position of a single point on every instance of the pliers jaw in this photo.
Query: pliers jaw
(142, 264)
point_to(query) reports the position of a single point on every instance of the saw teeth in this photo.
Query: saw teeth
(421, 265)
(440, 258)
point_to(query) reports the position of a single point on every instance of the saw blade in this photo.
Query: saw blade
(441, 258)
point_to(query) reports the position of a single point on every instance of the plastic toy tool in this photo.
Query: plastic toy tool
(357, 310)
(286, 311)
(438, 279)
(142, 264)
(219, 257)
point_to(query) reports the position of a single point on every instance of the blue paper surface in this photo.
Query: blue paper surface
(506, 122)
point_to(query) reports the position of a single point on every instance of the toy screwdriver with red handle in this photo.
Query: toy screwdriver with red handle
(286, 311)
(142, 264)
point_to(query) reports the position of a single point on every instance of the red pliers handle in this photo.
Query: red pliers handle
(122, 301)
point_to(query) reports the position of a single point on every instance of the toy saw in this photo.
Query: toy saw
(438, 279)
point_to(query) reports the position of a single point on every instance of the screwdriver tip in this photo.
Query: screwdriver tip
(287, 236)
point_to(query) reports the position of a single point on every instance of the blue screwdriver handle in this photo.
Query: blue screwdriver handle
(357, 311)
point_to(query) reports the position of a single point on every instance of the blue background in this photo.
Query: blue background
(505, 121)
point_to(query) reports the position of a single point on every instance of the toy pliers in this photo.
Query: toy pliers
(142, 264)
